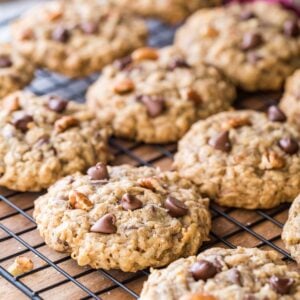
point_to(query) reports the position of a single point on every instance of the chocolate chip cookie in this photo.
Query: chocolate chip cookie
(290, 102)
(243, 158)
(15, 71)
(291, 230)
(223, 274)
(75, 37)
(257, 45)
(155, 95)
(171, 11)
(45, 138)
(123, 217)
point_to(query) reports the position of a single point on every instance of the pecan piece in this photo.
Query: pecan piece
(80, 201)
(64, 123)
(144, 54)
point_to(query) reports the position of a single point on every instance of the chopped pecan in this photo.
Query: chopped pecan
(209, 32)
(144, 54)
(272, 160)
(123, 87)
(11, 103)
(236, 123)
(22, 264)
(80, 201)
(64, 123)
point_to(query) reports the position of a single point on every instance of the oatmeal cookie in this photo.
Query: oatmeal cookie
(223, 274)
(291, 230)
(45, 138)
(76, 37)
(257, 45)
(154, 95)
(243, 158)
(15, 71)
(123, 217)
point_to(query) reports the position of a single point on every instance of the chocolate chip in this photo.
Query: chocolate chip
(289, 145)
(57, 104)
(281, 285)
(291, 28)
(130, 202)
(251, 40)
(89, 27)
(105, 224)
(203, 269)
(234, 276)
(21, 122)
(61, 34)
(275, 114)
(5, 61)
(154, 105)
(246, 15)
(178, 63)
(194, 96)
(98, 172)
(221, 142)
(122, 63)
(175, 207)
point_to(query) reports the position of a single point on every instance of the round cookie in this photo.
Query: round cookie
(123, 217)
(154, 95)
(243, 158)
(45, 138)
(291, 230)
(171, 11)
(257, 45)
(223, 274)
(15, 71)
(77, 38)
(290, 102)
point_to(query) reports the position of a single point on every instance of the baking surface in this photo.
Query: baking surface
(55, 275)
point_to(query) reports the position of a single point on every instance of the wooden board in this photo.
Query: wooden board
(53, 285)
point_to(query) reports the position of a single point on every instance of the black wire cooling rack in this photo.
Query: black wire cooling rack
(231, 227)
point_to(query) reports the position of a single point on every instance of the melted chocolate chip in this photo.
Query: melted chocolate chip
(221, 142)
(22, 122)
(203, 269)
(251, 40)
(178, 63)
(5, 61)
(291, 28)
(175, 207)
(98, 172)
(105, 224)
(154, 105)
(275, 114)
(234, 276)
(89, 27)
(281, 285)
(61, 34)
(246, 15)
(57, 104)
(122, 63)
(130, 202)
(289, 145)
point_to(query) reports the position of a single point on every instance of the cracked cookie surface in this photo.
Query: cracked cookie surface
(291, 230)
(243, 158)
(123, 217)
(15, 71)
(154, 95)
(257, 50)
(217, 273)
(171, 11)
(75, 37)
(45, 138)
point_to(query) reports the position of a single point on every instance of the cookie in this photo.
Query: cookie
(123, 217)
(154, 96)
(257, 45)
(171, 11)
(290, 102)
(223, 274)
(243, 158)
(77, 38)
(15, 71)
(290, 233)
(45, 138)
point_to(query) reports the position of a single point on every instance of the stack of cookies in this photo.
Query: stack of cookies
(131, 218)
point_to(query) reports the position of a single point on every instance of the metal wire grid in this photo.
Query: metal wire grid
(45, 83)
